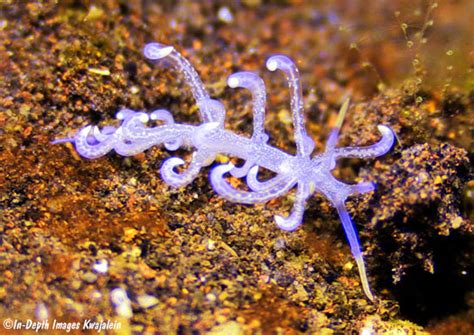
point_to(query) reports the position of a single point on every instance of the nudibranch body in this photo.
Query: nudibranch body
(308, 174)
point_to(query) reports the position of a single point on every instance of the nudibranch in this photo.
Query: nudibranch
(307, 173)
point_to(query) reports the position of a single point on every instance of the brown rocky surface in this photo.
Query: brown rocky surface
(191, 262)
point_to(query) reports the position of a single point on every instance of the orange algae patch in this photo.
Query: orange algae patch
(272, 310)
(324, 245)
(65, 201)
(80, 218)
(60, 265)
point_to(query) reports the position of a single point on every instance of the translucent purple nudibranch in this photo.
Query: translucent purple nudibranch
(303, 171)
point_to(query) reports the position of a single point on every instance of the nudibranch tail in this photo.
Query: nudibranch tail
(63, 140)
(304, 143)
(363, 277)
(354, 244)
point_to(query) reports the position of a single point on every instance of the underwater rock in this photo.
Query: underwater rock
(417, 232)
